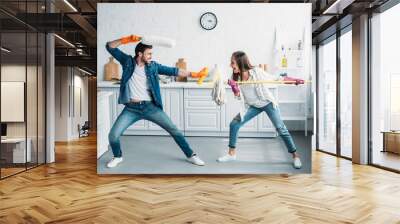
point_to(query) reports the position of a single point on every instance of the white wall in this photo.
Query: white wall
(61, 103)
(247, 27)
(66, 121)
(17, 73)
(80, 82)
(33, 126)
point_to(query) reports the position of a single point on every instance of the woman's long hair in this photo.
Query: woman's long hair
(243, 63)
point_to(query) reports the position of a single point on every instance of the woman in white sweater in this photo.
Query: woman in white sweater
(257, 98)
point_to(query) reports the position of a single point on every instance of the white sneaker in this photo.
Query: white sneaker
(226, 158)
(196, 160)
(114, 162)
(297, 163)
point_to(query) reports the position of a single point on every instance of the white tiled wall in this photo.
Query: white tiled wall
(247, 27)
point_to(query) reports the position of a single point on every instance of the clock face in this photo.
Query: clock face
(208, 21)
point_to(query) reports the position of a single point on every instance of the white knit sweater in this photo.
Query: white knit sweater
(262, 89)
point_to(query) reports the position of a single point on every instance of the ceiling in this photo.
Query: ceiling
(77, 22)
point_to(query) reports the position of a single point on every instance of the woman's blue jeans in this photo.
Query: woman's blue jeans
(275, 117)
(148, 111)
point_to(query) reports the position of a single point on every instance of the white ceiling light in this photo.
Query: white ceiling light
(64, 40)
(70, 5)
(5, 50)
(338, 6)
(84, 71)
(79, 51)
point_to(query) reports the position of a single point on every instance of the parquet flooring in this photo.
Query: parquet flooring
(70, 191)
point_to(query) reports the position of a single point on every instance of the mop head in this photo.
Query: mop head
(158, 41)
(218, 92)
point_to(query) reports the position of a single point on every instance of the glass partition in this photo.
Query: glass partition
(346, 94)
(23, 89)
(327, 96)
(385, 90)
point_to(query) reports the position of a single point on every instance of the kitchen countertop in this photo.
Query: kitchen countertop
(102, 95)
(171, 85)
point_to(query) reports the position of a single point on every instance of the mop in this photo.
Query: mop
(219, 89)
(163, 42)
(217, 79)
(149, 40)
(218, 92)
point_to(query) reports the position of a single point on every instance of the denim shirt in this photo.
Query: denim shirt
(153, 69)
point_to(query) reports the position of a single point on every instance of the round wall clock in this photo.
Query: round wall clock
(208, 21)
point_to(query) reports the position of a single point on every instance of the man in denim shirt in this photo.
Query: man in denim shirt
(140, 93)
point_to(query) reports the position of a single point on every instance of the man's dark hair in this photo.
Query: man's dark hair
(141, 48)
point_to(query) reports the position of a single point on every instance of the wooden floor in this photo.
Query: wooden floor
(5, 172)
(387, 159)
(70, 191)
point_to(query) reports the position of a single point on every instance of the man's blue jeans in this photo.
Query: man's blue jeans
(148, 111)
(275, 117)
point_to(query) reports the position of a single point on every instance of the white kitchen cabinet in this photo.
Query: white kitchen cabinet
(192, 110)
(293, 103)
(138, 125)
(200, 104)
(264, 123)
(151, 125)
(230, 110)
(173, 107)
(260, 126)
(198, 93)
(104, 118)
(293, 100)
(202, 115)
(202, 120)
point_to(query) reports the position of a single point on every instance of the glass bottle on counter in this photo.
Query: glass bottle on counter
(284, 59)
(284, 64)
(182, 65)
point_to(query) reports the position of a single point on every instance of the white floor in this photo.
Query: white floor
(161, 155)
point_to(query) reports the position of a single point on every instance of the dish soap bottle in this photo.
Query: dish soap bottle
(284, 59)
(283, 69)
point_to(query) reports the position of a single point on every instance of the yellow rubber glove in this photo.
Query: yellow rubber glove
(202, 73)
(130, 39)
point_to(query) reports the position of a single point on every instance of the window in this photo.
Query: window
(346, 93)
(327, 97)
(385, 89)
(22, 76)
